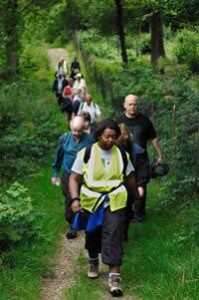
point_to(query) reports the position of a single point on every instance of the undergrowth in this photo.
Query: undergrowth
(24, 264)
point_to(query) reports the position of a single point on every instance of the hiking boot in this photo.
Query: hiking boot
(114, 283)
(93, 271)
(72, 234)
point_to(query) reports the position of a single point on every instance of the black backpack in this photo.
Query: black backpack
(159, 170)
(66, 105)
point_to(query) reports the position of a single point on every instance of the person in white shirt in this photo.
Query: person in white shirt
(79, 83)
(93, 109)
(62, 66)
(100, 185)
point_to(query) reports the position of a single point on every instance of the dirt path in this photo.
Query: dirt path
(65, 265)
(64, 270)
(55, 54)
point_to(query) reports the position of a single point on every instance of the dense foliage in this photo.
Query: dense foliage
(104, 32)
(16, 215)
(168, 96)
(28, 129)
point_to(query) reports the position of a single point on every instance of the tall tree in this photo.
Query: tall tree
(157, 43)
(9, 20)
(121, 33)
(151, 11)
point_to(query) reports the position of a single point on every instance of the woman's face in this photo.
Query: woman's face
(107, 139)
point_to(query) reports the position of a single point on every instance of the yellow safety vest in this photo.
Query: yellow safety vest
(98, 180)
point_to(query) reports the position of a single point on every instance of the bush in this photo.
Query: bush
(187, 49)
(145, 44)
(158, 94)
(98, 46)
(28, 127)
(34, 62)
(16, 215)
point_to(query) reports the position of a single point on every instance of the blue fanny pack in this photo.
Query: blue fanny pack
(94, 220)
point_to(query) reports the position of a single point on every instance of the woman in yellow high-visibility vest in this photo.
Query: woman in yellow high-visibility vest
(104, 179)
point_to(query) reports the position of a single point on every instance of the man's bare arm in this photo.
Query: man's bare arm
(157, 148)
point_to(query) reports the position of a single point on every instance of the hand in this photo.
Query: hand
(75, 206)
(159, 160)
(55, 181)
(141, 191)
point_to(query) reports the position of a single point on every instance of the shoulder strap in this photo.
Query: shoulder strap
(87, 153)
(125, 160)
(81, 106)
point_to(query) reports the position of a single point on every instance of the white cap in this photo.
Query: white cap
(78, 75)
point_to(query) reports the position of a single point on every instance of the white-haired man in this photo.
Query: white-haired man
(69, 145)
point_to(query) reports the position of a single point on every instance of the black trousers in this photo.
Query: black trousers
(59, 98)
(108, 239)
(69, 215)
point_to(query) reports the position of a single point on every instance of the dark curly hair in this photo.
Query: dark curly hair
(106, 124)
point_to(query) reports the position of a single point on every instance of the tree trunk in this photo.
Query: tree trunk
(157, 43)
(12, 38)
(121, 33)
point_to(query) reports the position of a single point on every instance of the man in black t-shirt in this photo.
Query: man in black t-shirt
(142, 130)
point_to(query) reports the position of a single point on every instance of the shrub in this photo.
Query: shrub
(94, 44)
(16, 215)
(187, 49)
(145, 44)
(34, 62)
(158, 94)
(28, 127)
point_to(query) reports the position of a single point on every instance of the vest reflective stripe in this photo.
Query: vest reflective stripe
(118, 198)
(99, 180)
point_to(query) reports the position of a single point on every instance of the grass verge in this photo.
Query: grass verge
(161, 258)
(26, 263)
(23, 265)
(84, 289)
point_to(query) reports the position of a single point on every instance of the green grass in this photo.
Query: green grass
(83, 286)
(26, 263)
(160, 262)
(161, 259)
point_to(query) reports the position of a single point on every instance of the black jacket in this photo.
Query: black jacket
(55, 85)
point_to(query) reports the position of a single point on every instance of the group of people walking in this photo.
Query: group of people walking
(105, 176)
(72, 94)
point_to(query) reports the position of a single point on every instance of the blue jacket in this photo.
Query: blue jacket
(67, 150)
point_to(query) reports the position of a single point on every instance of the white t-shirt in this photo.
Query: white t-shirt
(77, 98)
(80, 84)
(59, 84)
(106, 156)
(93, 109)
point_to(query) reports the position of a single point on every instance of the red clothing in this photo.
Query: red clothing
(67, 91)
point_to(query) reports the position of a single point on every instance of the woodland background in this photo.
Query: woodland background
(146, 47)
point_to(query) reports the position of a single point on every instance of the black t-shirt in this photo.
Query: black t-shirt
(75, 65)
(141, 128)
